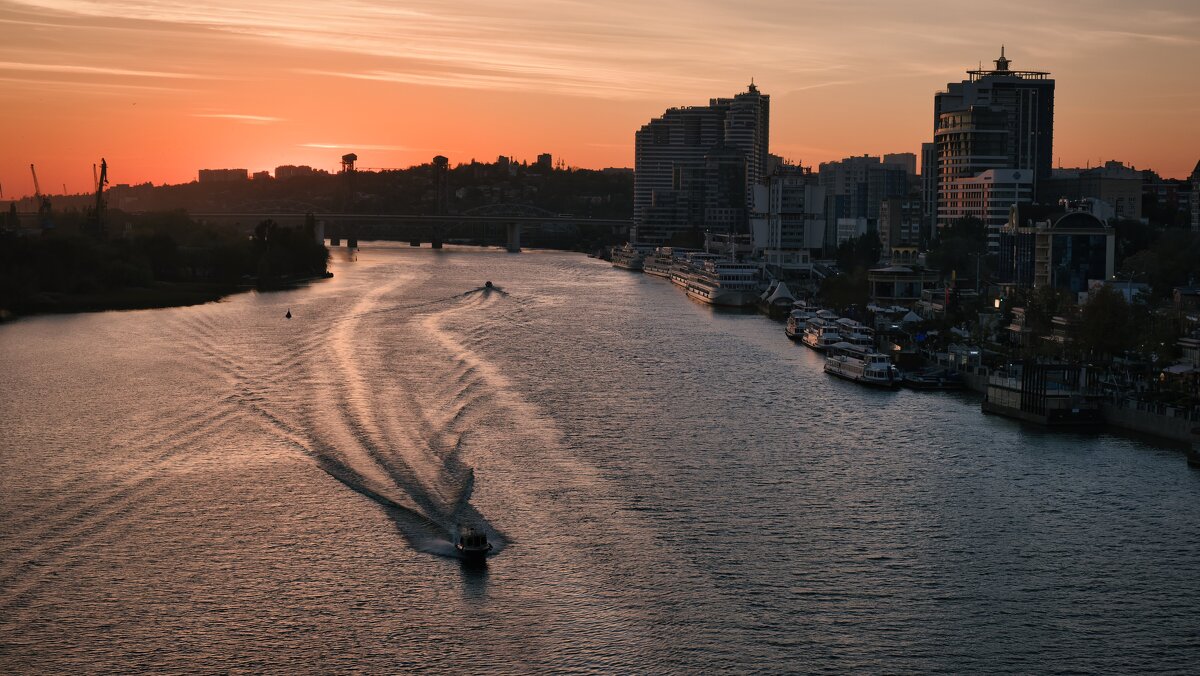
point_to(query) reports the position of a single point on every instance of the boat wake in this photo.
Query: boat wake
(378, 403)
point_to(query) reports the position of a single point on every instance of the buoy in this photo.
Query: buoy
(289, 314)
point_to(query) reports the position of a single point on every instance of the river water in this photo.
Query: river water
(670, 490)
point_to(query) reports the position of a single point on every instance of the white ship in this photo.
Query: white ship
(627, 257)
(861, 365)
(856, 333)
(725, 283)
(688, 266)
(820, 334)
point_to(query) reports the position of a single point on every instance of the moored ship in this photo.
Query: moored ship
(627, 257)
(724, 283)
(820, 334)
(861, 365)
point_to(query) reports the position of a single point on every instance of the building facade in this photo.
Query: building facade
(900, 231)
(856, 186)
(988, 197)
(224, 175)
(1114, 183)
(1063, 247)
(795, 217)
(695, 168)
(998, 119)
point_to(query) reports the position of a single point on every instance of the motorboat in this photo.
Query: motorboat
(934, 378)
(472, 545)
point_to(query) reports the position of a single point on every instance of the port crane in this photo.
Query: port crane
(43, 202)
(97, 212)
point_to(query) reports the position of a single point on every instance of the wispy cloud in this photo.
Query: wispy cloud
(90, 87)
(72, 69)
(248, 119)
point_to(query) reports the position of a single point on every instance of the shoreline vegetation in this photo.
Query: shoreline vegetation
(151, 261)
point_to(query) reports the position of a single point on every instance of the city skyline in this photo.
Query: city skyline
(162, 90)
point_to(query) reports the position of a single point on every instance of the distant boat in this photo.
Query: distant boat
(472, 545)
(289, 314)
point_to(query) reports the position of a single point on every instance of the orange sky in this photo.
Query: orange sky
(162, 88)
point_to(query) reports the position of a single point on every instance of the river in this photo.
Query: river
(670, 490)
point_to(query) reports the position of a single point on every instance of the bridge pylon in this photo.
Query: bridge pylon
(513, 230)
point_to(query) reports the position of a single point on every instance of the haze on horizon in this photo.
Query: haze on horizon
(162, 88)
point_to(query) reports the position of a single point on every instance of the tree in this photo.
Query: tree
(959, 247)
(1103, 329)
(1173, 260)
(859, 253)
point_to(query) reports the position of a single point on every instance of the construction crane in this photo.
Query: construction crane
(43, 202)
(97, 216)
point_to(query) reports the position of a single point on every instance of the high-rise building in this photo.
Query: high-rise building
(795, 218)
(856, 186)
(996, 119)
(1195, 179)
(907, 161)
(696, 167)
(900, 226)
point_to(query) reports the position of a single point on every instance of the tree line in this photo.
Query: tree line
(160, 252)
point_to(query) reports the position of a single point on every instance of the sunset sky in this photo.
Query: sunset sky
(162, 88)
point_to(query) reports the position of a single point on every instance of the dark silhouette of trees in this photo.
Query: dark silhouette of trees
(960, 247)
(859, 253)
(157, 256)
(1172, 260)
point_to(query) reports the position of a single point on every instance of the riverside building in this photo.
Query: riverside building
(696, 167)
(998, 119)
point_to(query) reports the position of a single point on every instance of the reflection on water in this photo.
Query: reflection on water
(668, 489)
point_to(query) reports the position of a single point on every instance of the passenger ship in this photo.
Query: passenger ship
(801, 313)
(856, 333)
(659, 263)
(726, 283)
(861, 365)
(688, 266)
(820, 334)
(627, 257)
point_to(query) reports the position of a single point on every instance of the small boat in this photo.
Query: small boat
(472, 545)
(289, 314)
(933, 379)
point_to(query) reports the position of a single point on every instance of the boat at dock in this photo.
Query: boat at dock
(662, 260)
(725, 283)
(933, 378)
(861, 365)
(820, 334)
(628, 257)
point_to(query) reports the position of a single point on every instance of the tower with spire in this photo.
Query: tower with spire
(996, 119)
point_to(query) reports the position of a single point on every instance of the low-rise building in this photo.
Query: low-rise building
(1062, 247)
(899, 285)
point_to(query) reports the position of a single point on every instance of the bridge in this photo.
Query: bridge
(483, 225)
(491, 224)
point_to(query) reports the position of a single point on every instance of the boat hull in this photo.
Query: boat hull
(720, 297)
(889, 384)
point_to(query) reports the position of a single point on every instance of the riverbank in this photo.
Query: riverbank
(154, 296)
